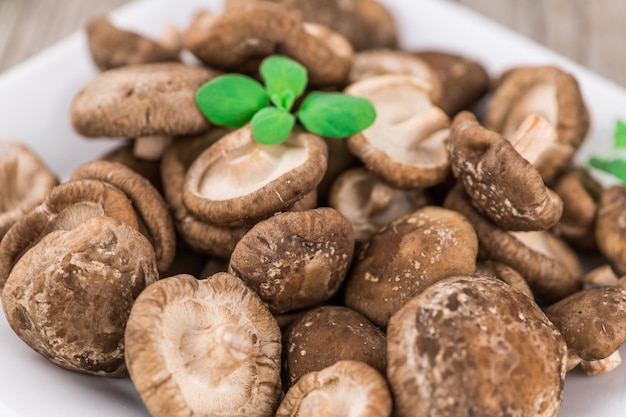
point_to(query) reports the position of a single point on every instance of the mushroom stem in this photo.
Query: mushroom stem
(171, 38)
(230, 350)
(151, 147)
(9, 193)
(601, 366)
(381, 196)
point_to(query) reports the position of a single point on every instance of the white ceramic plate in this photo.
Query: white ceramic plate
(34, 102)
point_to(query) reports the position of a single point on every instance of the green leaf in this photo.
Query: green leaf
(620, 134)
(613, 166)
(231, 100)
(336, 115)
(272, 125)
(282, 74)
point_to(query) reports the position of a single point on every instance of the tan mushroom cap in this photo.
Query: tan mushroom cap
(506, 187)
(150, 207)
(204, 347)
(295, 260)
(25, 182)
(610, 230)
(68, 297)
(471, 345)
(155, 99)
(325, 335)
(238, 39)
(548, 264)
(111, 47)
(369, 203)
(347, 388)
(237, 181)
(406, 144)
(549, 93)
(406, 256)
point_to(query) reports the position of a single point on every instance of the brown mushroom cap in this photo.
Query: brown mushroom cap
(68, 297)
(328, 334)
(610, 230)
(471, 345)
(347, 388)
(506, 187)
(111, 47)
(406, 256)
(506, 274)
(237, 39)
(142, 100)
(204, 347)
(406, 144)
(295, 260)
(25, 182)
(237, 181)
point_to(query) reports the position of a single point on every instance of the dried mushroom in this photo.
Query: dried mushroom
(69, 296)
(406, 145)
(610, 230)
(471, 345)
(295, 260)
(347, 388)
(204, 347)
(505, 186)
(406, 256)
(149, 169)
(25, 181)
(506, 274)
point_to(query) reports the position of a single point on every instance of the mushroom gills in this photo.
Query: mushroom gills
(336, 397)
(74, 216)
(539, 99)
(548, 245)
(535, 137)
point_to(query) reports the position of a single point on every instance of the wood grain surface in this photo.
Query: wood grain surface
(590, 32)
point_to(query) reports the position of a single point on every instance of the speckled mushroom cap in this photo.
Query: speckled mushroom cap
(238, 39)
(204, 347)
(25, 182)
(142, 100)
(347, 388)
(474, 346)
(406, 256)
(500, 182)
(554, 97)
(406, 144)
(112, 47)
(610, 230)
(68, 297)
(238, 181)
(295, 260)
(548, 264)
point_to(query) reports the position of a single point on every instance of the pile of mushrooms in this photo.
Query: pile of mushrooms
(428, 265)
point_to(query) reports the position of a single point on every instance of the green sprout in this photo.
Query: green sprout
(613, 165)
(232, 100)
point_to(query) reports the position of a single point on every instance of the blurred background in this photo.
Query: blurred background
(590, 32)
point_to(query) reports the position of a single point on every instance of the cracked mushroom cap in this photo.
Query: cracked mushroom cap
(406, 256)
(68, 297)
(204, 347)
(500, 182)
(156, 99)
(25, 180)
(548, 98)
(406, 144)
(347, 388)
(610, 230)
(549, 266)
(112, 47)
(471, 345)
(295, 260)
(238, 181)
(238, 39)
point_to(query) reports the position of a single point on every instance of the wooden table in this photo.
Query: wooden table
(588, 31)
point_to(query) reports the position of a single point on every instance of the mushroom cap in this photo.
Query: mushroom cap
(68, 297)
(610, 230)
(328, 334)
(592, 321)
(506, 274)
(505, 187)
(406, 144)
(406, 256)
(472, 345)
(111, 47)
(142, 100)
(25, 182)
(295, 260)
(347, 388)
(238, 181)
(204, 347)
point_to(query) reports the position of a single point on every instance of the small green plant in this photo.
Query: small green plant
(233, 100)
(615, 166)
